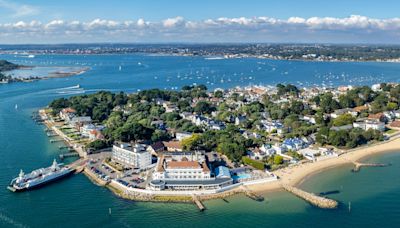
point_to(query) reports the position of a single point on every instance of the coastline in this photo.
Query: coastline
(51, 75)
(289, 176)
(296, 175)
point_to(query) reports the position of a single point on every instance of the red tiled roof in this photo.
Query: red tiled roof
(360, 108)
(183, 165)
(375, 116)
(173, 144)
(69, 110)
(395, 124)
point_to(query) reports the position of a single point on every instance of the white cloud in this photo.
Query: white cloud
(354, 28)
(172, 22)
(19, 10)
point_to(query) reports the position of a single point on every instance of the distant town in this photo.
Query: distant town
(156, 143)
(308, 52)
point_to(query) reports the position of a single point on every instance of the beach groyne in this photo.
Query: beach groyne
(359, 165)
(198, 203)
(315, 200)
(252, 195)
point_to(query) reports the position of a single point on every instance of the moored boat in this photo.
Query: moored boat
(39, 177)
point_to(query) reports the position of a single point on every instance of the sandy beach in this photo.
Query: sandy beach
(296, 174)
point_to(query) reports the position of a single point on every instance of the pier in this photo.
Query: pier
(315, 200)
(358, 165)
(198, 203)
(51, 134)
(68, 155)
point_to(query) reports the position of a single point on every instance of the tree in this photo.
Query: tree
(98, 144)
(346, 101)
(278, 159)
(344, 119)
(132, 131)
(159, 135)
(392, 106)
(327, 103)
(338, 138)
(203, 107)
(232, 150)
(218, 94)
(191, 142)
(59, 104)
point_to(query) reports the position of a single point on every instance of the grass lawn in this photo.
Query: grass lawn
(391, 131)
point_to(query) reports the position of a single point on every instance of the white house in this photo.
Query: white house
(376, 125)
(271, 126)
(309, 153)
(370, 124)
(267, 149)
(182, 135)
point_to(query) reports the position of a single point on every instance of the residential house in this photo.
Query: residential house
(239, 120)
(293, 144)
(182, 135)
(156, 148)
(343, 111)
(173, 145)
(370, 124)
(67, 114)
(378, 117)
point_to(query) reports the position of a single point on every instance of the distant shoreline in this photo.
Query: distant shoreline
(221, 57)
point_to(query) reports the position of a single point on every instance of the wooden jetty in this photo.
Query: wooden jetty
(51, 134)
(198, 203)
(315, 200)
(68, 155)
(358, 165)
(63, 147)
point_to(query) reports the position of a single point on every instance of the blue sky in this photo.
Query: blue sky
(341, 21)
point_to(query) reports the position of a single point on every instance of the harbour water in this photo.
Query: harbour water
(374, 193)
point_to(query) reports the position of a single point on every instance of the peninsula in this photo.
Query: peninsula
(192, 144)
(6, 76)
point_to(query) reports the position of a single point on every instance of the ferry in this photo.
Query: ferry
(39, 177)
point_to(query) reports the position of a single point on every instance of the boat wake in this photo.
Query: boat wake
(71, 90)
(11, 221)
(70, 87)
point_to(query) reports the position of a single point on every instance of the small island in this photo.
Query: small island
(193, 144)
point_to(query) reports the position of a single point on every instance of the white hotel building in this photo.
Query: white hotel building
(136, 156)
(187, 173)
